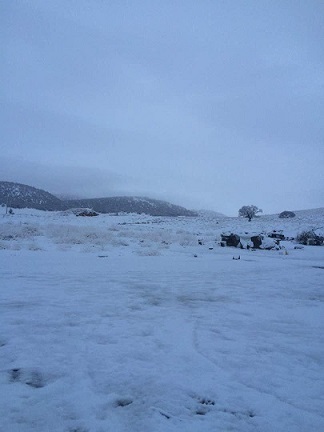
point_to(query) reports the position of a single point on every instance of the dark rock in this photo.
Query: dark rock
(276, 235)
(231, 239)
(257, 241)
(261, 242)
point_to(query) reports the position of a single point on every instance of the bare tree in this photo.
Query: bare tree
(249, 211)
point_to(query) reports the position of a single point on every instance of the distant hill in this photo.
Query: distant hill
(315, 213)
(130, 204)
(210, 214)
(18, 195)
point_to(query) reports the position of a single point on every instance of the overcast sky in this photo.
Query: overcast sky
(208, 104)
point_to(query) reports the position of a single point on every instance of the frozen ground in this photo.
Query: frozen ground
(112, 324)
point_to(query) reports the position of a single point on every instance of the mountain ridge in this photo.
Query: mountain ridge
(18, 195)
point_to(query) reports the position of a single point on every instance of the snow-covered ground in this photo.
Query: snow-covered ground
(126, 323)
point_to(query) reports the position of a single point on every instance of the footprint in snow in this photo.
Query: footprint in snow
(31, 377)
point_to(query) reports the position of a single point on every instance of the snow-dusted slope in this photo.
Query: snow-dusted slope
(18, 195)
(129, 204)
(128, 324)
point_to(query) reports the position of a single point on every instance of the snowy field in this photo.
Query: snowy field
(127, 324)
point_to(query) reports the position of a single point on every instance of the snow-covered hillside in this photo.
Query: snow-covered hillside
(127, 323)
(131, 204)
(19, 195)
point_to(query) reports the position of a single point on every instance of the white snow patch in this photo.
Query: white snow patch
(126, 323)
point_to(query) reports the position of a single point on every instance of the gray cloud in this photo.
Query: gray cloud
(213, 104)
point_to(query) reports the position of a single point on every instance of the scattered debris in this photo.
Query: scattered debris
(82, 212)
(87, 212)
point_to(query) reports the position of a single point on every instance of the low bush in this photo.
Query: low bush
(310, 238)
(287, 214)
